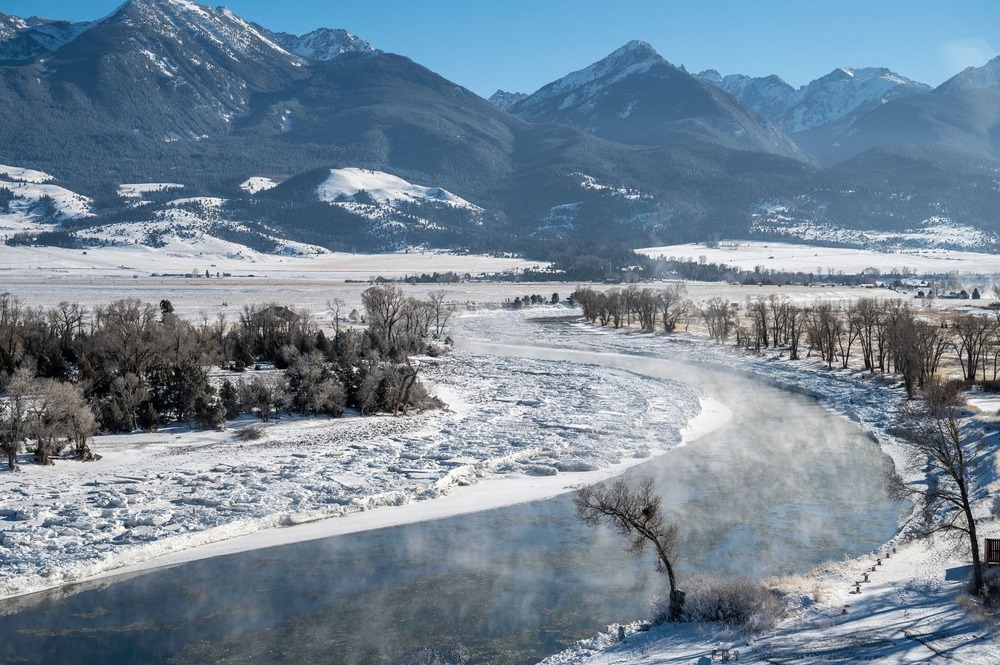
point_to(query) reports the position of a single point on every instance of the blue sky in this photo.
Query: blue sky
(522, 44)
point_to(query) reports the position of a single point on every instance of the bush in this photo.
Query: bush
(250, 433)
(991, 584)
(739, 602)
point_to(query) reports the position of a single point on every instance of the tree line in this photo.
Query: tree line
(71, 370)
(882, 335)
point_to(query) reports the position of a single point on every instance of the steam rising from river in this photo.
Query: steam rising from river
(783, 486)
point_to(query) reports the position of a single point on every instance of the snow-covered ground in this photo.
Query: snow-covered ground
(153, 494)
(747, 255)
(191, 254)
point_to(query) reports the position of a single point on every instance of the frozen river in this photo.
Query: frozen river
(781, 487)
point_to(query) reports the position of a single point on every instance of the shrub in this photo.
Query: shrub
(991, 587)
(250, 433)
(739, 602)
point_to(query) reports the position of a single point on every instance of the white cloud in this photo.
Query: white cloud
(961, 53)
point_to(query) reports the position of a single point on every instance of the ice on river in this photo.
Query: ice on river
(152, 494)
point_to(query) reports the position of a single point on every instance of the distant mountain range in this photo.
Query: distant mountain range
(630, 149)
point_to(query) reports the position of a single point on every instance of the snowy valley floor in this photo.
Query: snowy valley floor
(512, 433)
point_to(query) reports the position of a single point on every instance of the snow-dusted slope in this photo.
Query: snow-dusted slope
(184, 20)
(768, 96)
(580, 87)
(33, 197)
(973, 78)
(345, 184)
(19, 174)
(257, 184)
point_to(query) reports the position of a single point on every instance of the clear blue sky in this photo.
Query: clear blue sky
(520, 45)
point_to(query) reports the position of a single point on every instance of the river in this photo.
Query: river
(781, 487)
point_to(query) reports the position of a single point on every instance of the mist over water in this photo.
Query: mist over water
(783, 486)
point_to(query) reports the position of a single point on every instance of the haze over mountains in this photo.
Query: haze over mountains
(629, 149)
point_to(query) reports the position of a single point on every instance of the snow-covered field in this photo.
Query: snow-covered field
(747, 255)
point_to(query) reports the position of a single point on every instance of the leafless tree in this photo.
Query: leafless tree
(972, 336)
(636, 514)
(335, 307)
(757, 309)
(824, 329)
(128, 392)
(866, 317)
(441, 312)
(794, 316)
(647, 308)
(58, 411)
(263, 394)
(718, 317)
(672, 305)
(127, 334)
(384, 307)
(13, 412)
(940, 444)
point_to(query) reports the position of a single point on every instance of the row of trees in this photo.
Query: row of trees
(649, 308)
(71, 370)
(881, 335)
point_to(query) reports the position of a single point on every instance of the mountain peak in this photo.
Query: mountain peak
(323, 44)
(504, 100)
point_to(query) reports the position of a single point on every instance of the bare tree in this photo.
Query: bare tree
(672, 305)
(972, 335)
(718, 316)
(335, 307)
(13, 414)
(127, 393)
(440, 312)
(940, 445)
(385, 307)
(866, 317)
(636, 514)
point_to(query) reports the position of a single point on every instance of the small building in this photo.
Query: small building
(993, 551)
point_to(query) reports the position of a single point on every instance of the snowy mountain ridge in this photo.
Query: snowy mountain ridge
(504, 100)
(819, 103)
(320, 45)
(26, 39)
(183, 20)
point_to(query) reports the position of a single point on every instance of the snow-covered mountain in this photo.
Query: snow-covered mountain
(320, 45)
(504, 100)
(822, 102)
(973, 78)
(634, 96)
